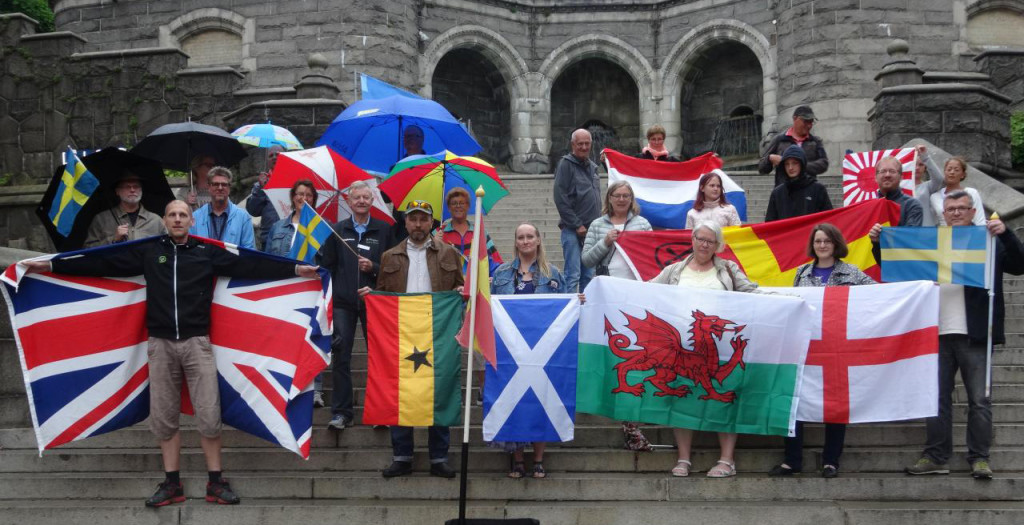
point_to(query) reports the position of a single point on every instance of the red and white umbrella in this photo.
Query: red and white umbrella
(331, 175)
(859, 173)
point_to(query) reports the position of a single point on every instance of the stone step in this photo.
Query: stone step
(482, 459)
(404, 511)
(603, 487)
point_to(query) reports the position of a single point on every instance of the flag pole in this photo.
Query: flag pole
(474, 276)
(990, 277)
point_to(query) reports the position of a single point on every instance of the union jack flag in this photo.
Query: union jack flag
(82, 342)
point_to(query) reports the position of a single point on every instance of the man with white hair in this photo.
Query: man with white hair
(128, 220)
(577, 194)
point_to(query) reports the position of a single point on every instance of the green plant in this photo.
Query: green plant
(39, 10)
(1017, 140)
(6, 178)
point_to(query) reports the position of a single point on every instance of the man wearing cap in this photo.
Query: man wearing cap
(420, 263)
(800, 135)
(128, 220)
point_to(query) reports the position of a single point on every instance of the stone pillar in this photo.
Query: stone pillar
(316, 83)
(900, 70)
(1005, 68)
(531, 126)
(13, 26)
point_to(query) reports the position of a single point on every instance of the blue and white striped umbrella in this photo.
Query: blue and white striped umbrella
(266, 135)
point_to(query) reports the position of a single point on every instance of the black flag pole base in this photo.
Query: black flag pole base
(461, 520)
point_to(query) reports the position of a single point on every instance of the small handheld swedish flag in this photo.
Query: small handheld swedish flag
(311, 232)
(944, 254)
(77, 184)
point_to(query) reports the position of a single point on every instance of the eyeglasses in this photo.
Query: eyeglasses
(889, 171)
(823, 242)
(458, 204)
(621, 196)
(704, 242)
(219, 184)
(958, 209)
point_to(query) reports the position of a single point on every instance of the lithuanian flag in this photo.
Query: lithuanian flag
(413, 359)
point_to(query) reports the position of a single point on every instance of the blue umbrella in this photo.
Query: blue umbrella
(369, 132)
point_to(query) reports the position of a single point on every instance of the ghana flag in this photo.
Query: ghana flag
(413, 361)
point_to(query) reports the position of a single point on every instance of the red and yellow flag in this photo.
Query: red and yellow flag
(484, 329)
(412, 359)
(769, 252)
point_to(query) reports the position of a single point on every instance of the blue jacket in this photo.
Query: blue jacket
(279, 238)
(503, 280)
(238, 229)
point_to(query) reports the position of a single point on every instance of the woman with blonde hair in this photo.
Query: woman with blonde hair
(621, 213)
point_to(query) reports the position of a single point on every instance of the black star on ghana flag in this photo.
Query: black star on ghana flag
(419, 359)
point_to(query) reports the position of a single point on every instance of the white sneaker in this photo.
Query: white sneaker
(318, 400)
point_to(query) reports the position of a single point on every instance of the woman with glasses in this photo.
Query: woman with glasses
(621, 213)
(458, 231)
(703, 269)
(711, 204)
(827, 247)
(954, 171)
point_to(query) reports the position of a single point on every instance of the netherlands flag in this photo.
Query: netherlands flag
(665, 191)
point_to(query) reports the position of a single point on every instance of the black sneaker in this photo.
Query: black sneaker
(829, 471)
(397, 468)
(221, 493)
(779, 471)
(442, 470)
(166, 493)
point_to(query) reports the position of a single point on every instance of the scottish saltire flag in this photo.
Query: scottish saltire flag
(859, 173)
(311, 233)
(531, 394)
(665, 191)
(944, 254)
(77, 184)
(692, 358)
(82, 342)
(862, 367)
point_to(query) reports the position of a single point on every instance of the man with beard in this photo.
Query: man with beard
(128, 220)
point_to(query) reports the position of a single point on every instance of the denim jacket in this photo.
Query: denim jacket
(279, 237)
(503, 281)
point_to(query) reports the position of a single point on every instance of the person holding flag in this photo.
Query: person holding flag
(353, 256)
(77, 184)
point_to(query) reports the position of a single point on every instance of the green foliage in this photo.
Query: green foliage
(175, 174)
(39, 10)
(1017, 139)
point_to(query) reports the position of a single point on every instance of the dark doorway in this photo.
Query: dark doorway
(470, 86)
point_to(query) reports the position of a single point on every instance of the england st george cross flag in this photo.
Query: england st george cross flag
(531, 395)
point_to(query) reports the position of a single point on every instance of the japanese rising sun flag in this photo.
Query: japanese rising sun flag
(665, 191)
(690, 357)
(413, 359)
(873, 355)
(859, 173)
(770, 252)
(82, 342)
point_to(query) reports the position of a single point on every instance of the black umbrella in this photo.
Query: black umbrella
(174, 145)
(107, 165)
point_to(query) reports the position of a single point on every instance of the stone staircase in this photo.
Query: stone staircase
(592, 480)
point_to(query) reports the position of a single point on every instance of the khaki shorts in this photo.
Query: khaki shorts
(169, 362)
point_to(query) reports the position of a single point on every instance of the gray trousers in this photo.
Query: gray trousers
(956, 351)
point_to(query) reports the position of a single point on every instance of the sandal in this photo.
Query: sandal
(518, 470)
(722, 469)
(538, 470)
(682, 468)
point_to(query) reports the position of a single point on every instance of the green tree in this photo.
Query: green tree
(1017, 139)
(38, 10)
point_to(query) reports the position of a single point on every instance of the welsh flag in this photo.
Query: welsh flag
(769, 252)
(413, 360)
(873, 355)
(691, 358)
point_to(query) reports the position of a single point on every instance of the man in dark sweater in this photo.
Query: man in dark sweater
(370, 238)
(179, 274)
(577, 195)
(800, 194)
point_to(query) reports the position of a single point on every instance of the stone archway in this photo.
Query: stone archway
(214, 21)
(471, 88)
(582, 56)
(689, 49)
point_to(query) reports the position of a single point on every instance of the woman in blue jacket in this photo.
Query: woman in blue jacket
(529, 272)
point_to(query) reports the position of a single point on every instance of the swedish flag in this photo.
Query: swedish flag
(944, 254)
(77, 184)
(311, 232)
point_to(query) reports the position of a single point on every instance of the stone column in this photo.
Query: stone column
(531, 126)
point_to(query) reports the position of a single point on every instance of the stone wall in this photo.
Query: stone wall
(473, 90)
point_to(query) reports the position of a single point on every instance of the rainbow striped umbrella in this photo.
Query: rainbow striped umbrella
(266, 135)
(431, 177)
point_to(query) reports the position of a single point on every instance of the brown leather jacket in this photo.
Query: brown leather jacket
(443, 262)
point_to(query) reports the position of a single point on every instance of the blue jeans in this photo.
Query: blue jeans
(574, 273)
(341, 358)
(957, 351)
(835, 435)
(437, 444)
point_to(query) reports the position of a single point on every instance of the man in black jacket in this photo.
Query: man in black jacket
(179, 274)
(369, 238)
(800, 194)
(798, 135)
(963, 335)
